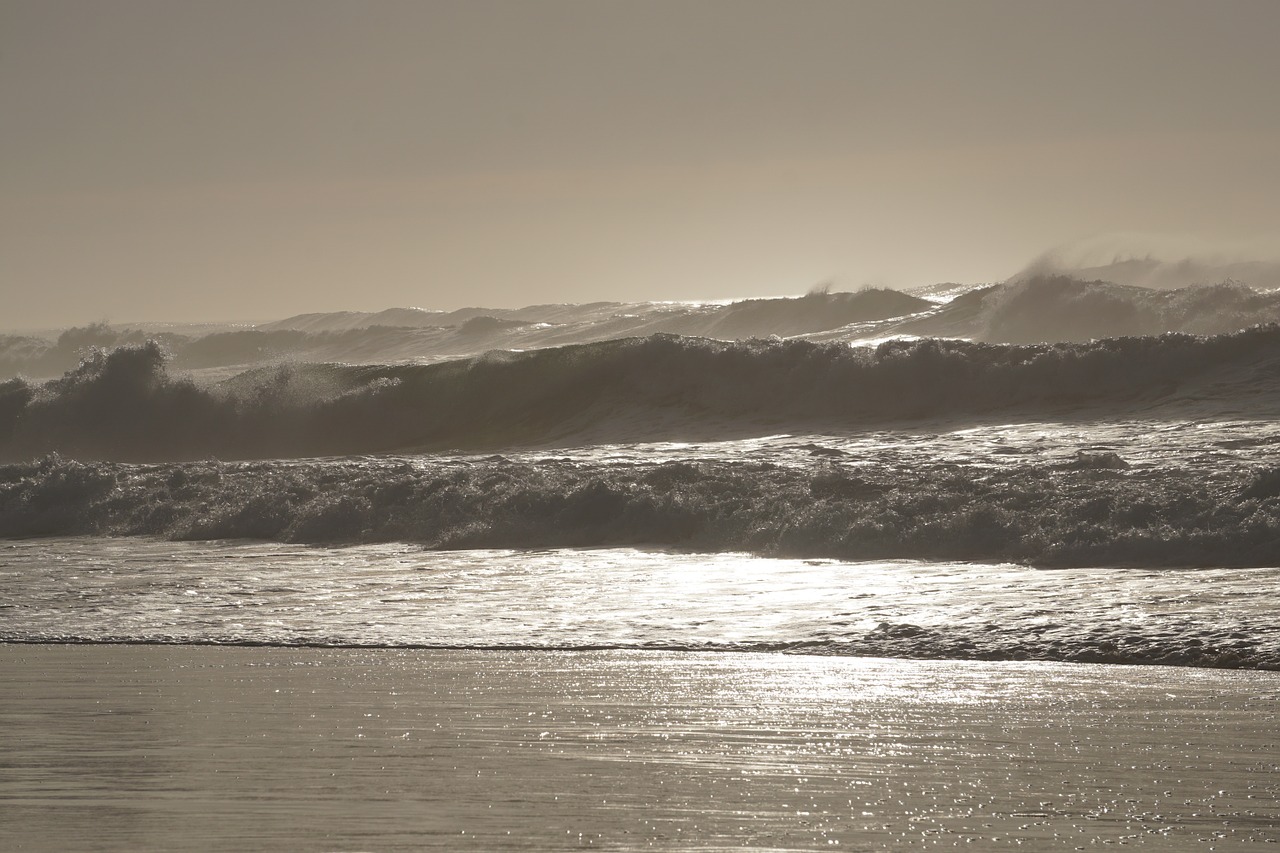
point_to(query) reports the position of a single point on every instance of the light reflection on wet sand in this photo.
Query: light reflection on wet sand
(182, 748)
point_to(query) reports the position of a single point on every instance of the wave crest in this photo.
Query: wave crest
(124, 405)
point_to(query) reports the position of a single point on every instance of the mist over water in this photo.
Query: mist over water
(1163, 262)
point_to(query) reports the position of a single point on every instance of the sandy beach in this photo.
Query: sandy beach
(203, 748)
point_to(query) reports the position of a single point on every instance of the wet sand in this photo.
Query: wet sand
(205, 748)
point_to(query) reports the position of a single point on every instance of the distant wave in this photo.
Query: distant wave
(1092, 511)
(1035, 309)
(816, 311)
(1063, 309)
(1162, 263)
(124, 405)
(412, 334)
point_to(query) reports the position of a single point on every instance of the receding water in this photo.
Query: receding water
(198, 748)
(141, 590)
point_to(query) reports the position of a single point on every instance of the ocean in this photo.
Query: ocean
(852, 570)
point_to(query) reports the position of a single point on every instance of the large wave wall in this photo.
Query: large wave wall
(124, 405)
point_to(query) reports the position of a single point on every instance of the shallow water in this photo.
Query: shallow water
(146, 590)
(182, 748)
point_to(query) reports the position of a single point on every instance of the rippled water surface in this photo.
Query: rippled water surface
(155, 591)
(185, 748)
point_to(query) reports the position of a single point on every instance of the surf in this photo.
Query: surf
(124, 404)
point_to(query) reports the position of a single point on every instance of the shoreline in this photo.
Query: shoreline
(247, 594)
(802, 648)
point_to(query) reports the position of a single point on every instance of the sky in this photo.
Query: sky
(252, 159)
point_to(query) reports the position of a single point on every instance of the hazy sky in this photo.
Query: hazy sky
(225, 159)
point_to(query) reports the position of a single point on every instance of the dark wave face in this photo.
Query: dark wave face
(123, 405)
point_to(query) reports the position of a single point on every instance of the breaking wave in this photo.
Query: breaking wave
(1057, 308)
(412, 334)
(1091, 511)
(1039, 308)
(124, 405)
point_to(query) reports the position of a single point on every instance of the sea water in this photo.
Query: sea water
(142, 590)
(229, 695)
(649, 593)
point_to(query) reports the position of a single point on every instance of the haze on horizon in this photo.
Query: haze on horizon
(251, 160)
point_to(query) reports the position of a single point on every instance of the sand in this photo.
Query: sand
(204, 748)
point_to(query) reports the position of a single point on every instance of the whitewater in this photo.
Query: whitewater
(1044, 495)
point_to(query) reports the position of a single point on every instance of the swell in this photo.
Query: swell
(403, 334)
(1232, 649)
(124, 405)
(1042, 308)
(1031, 308)
(1094, 510)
